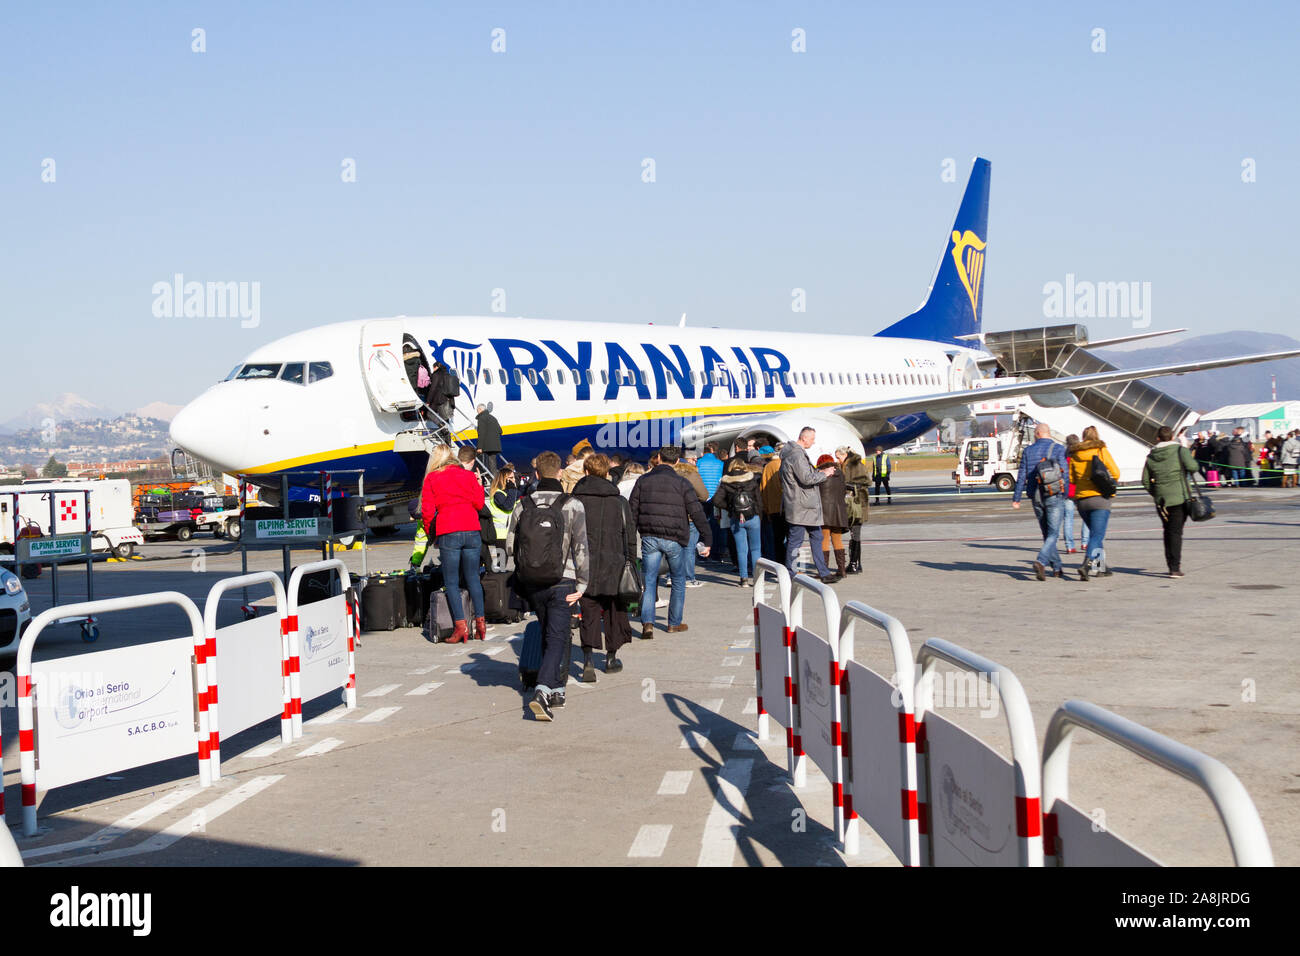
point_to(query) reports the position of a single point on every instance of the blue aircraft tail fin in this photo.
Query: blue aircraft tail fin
(954, 305)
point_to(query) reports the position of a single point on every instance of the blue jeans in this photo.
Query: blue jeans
(795, 542)
(749, 537)
(460, 553)
(654, 551)
(691, 553)
(1096, 520)
(553, 616)
(1070, 509)
(1050, 514)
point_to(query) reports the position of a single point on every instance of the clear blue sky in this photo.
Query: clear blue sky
(522, 170)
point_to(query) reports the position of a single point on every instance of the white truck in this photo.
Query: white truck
(995, 459)
(111, 517)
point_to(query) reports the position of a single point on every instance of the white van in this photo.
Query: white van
(111, 515)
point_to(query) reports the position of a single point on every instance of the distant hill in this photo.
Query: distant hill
(1205, 391)
(66, 408)
(159, 410)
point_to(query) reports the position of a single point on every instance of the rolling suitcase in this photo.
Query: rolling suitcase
(530, 656)
(443, 623)
(1212, 477)
(500, 605)
(383, 602)
(418, 588)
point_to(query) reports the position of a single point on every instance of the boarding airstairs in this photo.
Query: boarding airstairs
(433, 430)
(1135, 408)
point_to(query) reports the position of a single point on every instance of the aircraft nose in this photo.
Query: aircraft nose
(214, 429)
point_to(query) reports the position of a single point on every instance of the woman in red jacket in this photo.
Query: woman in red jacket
(450, 505)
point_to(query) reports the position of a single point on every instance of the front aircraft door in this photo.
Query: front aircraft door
(381, 366)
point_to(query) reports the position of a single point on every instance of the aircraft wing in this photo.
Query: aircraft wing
(944, 404)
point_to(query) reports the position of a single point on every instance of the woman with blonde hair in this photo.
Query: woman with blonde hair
(449, 507)
(1092, 501)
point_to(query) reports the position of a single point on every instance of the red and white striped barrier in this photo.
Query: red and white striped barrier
(105, 711)
(879, 740)
(816, 697)
(322, 640)
(255, 655)
(771, 648)
(974, 807)
(1071, 836)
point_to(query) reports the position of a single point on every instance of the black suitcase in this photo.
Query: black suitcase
(500, 604)
(530, 656)
(383, 603)
(418, 587)
(443, 622)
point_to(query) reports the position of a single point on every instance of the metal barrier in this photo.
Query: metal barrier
(815, 695)
(72, 747)
(317, 620)
(771, 651)
(880, 740)
(1069, 835)
(9, 855)
(262, 689)
(974, 816)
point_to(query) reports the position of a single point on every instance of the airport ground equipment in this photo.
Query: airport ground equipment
(1071, 837)
(111, 513)
(67, 539)
(935, 794)
(106, 711)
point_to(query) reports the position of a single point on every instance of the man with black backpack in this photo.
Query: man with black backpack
(1043, 473)
(548, 536)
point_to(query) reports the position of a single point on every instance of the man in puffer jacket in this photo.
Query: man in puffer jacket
(1165, 476)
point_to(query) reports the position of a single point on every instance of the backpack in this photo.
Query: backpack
(1101, 477)
(453, 384)
(539, 544)
(1051, 480)
(743, 506)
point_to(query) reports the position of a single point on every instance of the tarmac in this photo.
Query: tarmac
(660, 765)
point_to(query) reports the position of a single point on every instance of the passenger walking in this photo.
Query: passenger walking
(449, 506)
(769, 487)
(444, 389)
(688, 470)
(1043, 475)
(610, 546)
(857, 476)
(738, 498)
(882, 466)
(1237, 454)
(710, 468)
(1165, 476)
(1290, 459)
(1092, 494)
(835, 514)
(1070, 508)
(574, 471)
(501, 500)
(631, 472)
(548, 538)
(801, 503)
(663, 505)
(489, 438)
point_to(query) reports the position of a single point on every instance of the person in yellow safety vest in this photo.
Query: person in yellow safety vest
(881, 467)
(501, 499)
(421, 546)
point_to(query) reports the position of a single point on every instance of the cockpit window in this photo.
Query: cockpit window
(294, 372)
(259, 371)
(233, 372)
(319, 370)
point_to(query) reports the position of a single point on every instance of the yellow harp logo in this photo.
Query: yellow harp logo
(968, 255)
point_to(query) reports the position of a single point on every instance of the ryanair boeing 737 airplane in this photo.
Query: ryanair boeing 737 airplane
(341, 397)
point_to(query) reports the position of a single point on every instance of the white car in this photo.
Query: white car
(15, 612)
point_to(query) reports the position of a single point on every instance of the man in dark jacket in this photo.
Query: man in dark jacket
(801, 503)
(663, 506)
(489, 439)
(444, 388)
(1238, 454)
(611, 540)
(1165, 477)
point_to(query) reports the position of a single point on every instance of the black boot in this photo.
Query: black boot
(588, 668)
(855, 556)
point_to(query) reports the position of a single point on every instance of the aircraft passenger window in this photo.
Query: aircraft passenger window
(559, 376)
(519, 377)
(293, 372)
(233, 372)
(260, 371)
(532, 376)
(501, 376)
(319, 370)
(604, 377)
(767, 378)
(590, 378)
(546, 376)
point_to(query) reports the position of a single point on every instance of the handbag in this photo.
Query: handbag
(1199, 506)
(1101, 477)
(630, 586)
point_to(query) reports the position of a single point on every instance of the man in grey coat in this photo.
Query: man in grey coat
(801, 503)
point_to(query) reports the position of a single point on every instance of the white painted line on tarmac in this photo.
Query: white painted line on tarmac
(382, 690)
(694, 739)
(751, 706)
(650, 841)
(725, 680)
(375, 716)
(265, 750)
(675, 783)
(746, 629)
(424, 689)
(195, 822)
(718, 845)
(329, 717)
(134, 819)
(421, 671)
(741, 646)
(321, 747)
(713, 704)
(744, 742)
(731, 661)
(493, 651)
